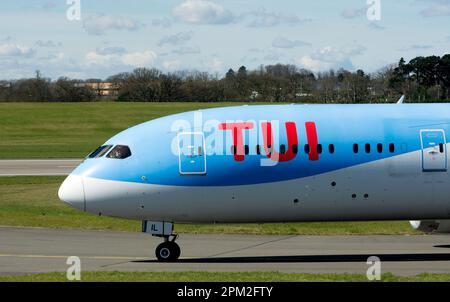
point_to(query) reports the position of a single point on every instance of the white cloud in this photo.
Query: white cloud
(139, 58)
(354, 13)
(53, 58)
(47, 44)
(49, 5)
(416, 47)
(214, 65)
(172, 64)
(99, 24)
(176, 39)
(273, 57)
(376, 26)
(202, 12)
(436, 8)
(163, 22)
(282, 42)
(186, 50)
(256, 50)
(136, 59)
(74, 74)
(314, 65)
(210, 12)
(331, 58)
(59, 56)
(263, 18)
(111, 50)
(15, 50)
(95, 58)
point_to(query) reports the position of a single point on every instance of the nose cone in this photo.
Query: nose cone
(72, 192)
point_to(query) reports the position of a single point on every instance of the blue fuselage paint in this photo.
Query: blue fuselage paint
(153, 160)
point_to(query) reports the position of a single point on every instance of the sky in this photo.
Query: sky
(113, 36)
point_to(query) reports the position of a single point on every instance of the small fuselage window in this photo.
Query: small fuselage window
(119, 152)
(100, 151)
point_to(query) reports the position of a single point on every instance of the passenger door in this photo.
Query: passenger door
(434, 150)
(192, 157)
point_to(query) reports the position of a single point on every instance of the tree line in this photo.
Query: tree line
(423, 79)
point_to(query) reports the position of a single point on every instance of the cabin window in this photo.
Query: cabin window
(319, 149)
(331, 148)
(100, 151)
(441, 147)
(258, 149)
(283, 149)
(380, 148)
(234, 150)
(355, 148)
(295, 149)
(119, 152)
(391, 148)
(307, 149)
(367, 148)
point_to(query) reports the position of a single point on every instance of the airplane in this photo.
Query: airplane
(272, 164)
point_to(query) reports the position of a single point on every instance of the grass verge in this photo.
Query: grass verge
(221, 277)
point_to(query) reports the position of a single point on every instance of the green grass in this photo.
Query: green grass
(72, 130)
(220, 277)
(33, 202)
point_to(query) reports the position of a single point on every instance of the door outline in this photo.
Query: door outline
(423, 150)
(203, 152)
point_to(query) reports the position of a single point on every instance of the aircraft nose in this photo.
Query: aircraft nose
(72, 192)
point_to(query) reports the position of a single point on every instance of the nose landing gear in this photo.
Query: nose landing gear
(169, 250)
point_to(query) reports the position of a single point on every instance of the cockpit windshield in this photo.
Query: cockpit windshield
(100, 151)
(119, 152)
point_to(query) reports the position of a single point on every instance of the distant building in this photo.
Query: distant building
(102, 89)
(5, 85)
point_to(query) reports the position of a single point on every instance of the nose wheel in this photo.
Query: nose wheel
(168, 251)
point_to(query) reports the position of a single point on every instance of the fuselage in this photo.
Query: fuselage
(274, 163)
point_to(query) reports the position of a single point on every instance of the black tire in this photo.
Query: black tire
(168, 251)
(176, 251)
